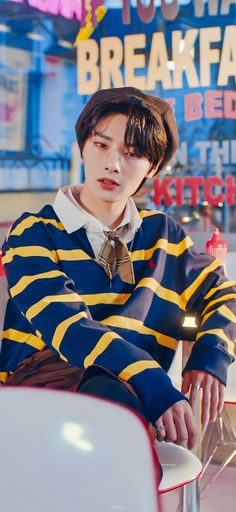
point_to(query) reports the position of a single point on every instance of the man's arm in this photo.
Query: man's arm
(215, 345)
(212, 297)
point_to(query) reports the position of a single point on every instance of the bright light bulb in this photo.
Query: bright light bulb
(35, 36)
(65, 44)
(4, 28)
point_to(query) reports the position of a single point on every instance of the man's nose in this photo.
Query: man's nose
(113, 161)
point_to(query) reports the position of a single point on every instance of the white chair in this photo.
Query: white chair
(180, 466)
(68, 452)
(181, 470)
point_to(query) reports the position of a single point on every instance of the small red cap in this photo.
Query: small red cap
(216, 241)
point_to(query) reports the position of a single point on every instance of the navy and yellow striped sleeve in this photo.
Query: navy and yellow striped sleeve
(47, 298)
(212, 298)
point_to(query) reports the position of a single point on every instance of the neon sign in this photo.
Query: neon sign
(165, 189)
(66, 8)
(170, 10)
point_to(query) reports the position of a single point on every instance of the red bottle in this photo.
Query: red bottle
(217, 247)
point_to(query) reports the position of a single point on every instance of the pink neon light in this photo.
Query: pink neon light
(66, 8)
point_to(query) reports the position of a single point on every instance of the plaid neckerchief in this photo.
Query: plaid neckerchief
(116, 256)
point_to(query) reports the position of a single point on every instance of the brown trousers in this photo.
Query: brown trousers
(46, 369)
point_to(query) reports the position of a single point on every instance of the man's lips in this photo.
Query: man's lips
(108, 181)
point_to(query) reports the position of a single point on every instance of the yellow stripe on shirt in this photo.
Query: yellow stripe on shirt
(28, 252)
(62, 328)
(39, 306)
(188, 292)
(3, 376)
(30, 221)
(105, 340)
(220, 299)
(149, 213)
(105, 298)
(170, 248)
(73, 255)
(138, 326)
(220, 333)
(222, 286)
(160, 291)
(222, 310)
(27, 280)
(182, 299)
(24, 337)
(138, 367)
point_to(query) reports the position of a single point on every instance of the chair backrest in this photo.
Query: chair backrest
(64, 451)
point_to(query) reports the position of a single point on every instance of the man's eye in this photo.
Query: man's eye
(130, 154)
(99, 144)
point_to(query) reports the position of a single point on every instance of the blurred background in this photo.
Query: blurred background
(183, 51)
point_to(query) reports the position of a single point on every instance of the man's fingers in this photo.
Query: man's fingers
(186, 383)
(221, 397)
(206, 396)
(212, 395)
(171, 433)
(180, 424)
(214, 401)
(192, 430)
(181, 431)
(160, 429)
(195, 394)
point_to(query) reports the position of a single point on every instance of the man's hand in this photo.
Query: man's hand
(179, 425)
(212, 393)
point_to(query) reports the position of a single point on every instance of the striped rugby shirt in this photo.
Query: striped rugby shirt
(60, 297)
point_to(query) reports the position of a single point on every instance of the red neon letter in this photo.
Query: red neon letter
(161, 191)
(193, 108)
(193, 182)
(230, 104)
(230, 190)
(213, 104)
(146, 13)
(126, 12)
(213, 181)
(179, 188)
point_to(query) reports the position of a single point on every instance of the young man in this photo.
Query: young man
(99, 290)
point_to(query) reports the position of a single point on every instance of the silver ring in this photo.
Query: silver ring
(196, 386)
(159, 428)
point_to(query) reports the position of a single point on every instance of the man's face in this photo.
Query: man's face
(112, 171)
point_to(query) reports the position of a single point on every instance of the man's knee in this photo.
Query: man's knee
(107, 387)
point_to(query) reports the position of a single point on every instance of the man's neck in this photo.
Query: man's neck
(109, 214)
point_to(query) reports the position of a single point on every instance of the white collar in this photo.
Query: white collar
(73, 216)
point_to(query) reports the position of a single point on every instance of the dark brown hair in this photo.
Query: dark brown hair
(144, 131)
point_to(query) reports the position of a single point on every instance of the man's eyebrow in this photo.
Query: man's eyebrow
(103, 136)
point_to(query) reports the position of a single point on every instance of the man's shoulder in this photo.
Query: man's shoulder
(147, 213)
(154, 217)
(29, 221)
(158, 223)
